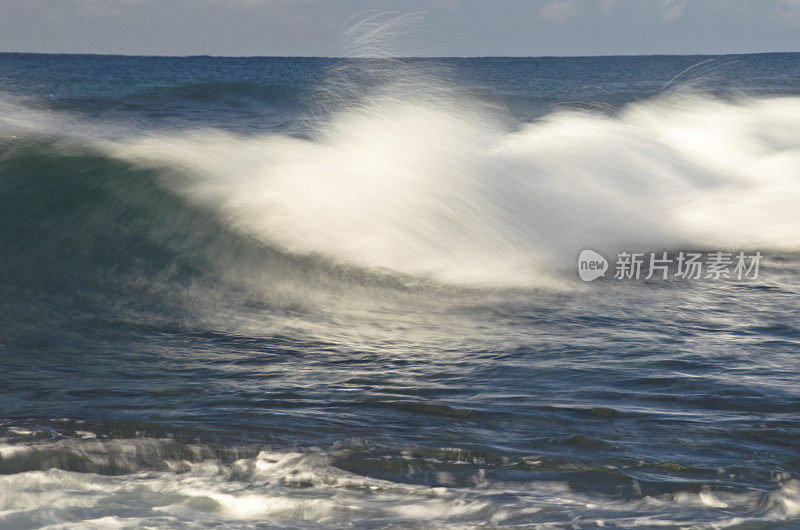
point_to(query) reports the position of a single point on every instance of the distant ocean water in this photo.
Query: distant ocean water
(301, 292)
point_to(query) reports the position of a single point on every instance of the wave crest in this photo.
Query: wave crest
(449, 190)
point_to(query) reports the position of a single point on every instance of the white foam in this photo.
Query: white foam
(20, 431)
(85, 434)
(99, 524)
(785, 501)
(282, 487)
(439, 188)
(7, 451)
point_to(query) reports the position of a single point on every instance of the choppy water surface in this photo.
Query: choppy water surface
(314, 292)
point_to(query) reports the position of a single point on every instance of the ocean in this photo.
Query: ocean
(311, 293)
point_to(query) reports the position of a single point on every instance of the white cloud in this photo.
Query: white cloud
(672, 9)
(559, 11)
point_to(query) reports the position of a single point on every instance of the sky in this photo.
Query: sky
(399, 27)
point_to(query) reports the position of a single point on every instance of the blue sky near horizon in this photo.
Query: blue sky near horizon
(399, 27)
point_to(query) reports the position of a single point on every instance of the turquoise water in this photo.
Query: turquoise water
(276, 292)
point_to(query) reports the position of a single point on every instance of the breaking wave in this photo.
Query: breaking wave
(431, 184)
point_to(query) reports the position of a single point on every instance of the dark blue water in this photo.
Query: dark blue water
(257, 292)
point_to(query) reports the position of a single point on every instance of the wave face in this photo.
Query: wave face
(440, 187)
(307, 292)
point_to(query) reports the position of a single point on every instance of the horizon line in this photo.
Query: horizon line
(202, 55)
